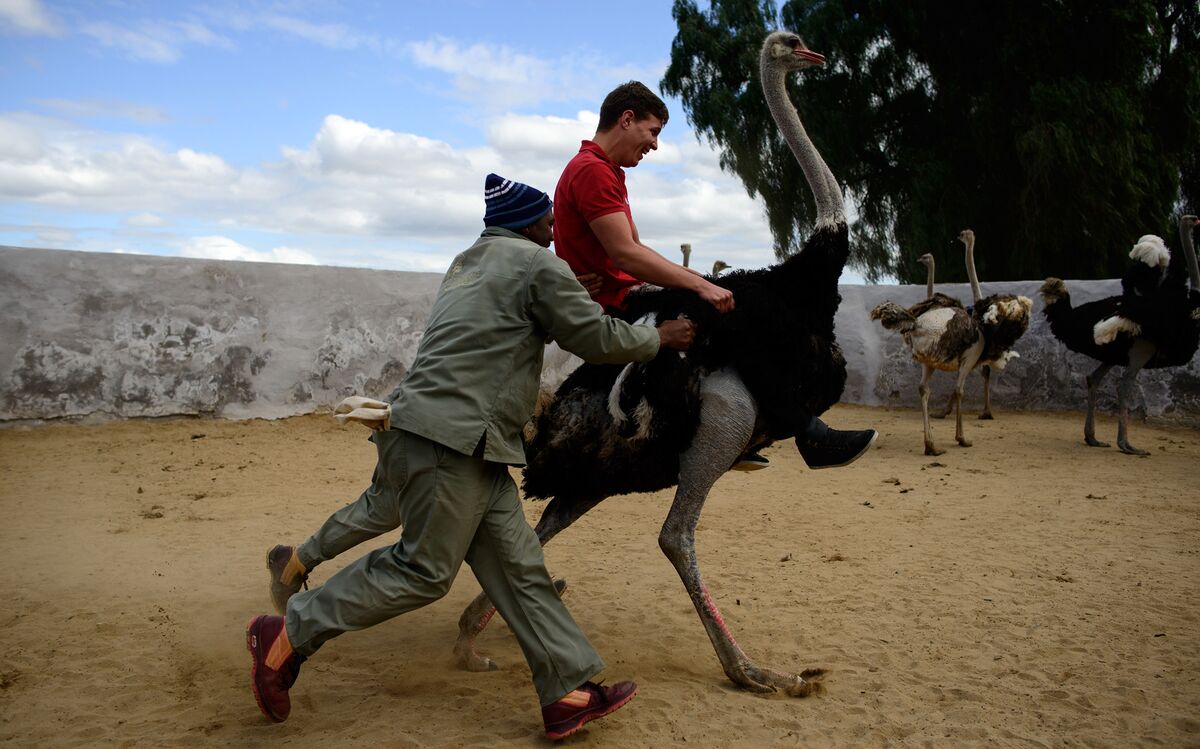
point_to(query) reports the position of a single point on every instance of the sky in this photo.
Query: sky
(353, 133)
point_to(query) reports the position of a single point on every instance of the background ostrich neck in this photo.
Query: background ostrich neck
(975, 292)
(929, 280)
(816, 173)
(1189, 252)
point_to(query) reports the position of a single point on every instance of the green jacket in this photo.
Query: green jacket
(477, 369)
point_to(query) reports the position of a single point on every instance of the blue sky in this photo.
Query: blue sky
(338, 133)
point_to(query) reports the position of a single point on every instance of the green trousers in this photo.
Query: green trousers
(453, 508)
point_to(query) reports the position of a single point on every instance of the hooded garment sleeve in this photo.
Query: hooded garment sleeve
(565, 311)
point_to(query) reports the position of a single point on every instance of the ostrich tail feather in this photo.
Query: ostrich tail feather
(893, 317)
(1107, 330)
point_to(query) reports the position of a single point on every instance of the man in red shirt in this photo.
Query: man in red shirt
(594, 230)
(595, 233)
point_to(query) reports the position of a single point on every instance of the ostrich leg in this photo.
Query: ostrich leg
(945, 410)
(559, 514)
(727, 419)
(958, 395)
(987, 393)
(1089, 424)
(924, 391)
(1140, 353)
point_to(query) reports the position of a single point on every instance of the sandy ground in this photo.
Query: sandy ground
(1028, 591)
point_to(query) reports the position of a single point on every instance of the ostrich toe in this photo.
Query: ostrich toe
(763, 680)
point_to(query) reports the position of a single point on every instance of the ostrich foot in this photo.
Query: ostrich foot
(755, 679)
(472, 622)
(1093, 442)
(931, 450)
(1129, 449)
(986, 416)
(964, 442)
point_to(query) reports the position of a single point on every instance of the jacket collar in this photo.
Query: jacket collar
(496, 231)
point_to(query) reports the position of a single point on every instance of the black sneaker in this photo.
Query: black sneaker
(750, 462)
(836, 448)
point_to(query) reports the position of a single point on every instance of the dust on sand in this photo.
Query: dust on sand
(1026, 591)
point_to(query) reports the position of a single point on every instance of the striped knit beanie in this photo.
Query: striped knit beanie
(512, 205)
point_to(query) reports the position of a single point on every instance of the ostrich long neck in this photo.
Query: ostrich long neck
(820, 180)
(929, 280)
(1185, 238)
(975, 292)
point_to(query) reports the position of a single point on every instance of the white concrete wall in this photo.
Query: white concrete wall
(85, 335)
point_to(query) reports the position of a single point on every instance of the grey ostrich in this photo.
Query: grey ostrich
(942, 335)
(1101, 331)
(581, 456)
(1002, 322)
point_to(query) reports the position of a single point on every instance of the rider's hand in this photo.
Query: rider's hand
(718, 297)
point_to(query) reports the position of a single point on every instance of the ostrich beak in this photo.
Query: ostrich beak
(804, 53)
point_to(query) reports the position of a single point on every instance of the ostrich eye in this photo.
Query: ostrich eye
(794, 42)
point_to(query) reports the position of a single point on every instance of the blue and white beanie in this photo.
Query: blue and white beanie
(512, 205)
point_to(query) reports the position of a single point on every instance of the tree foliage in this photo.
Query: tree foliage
(1059, 130)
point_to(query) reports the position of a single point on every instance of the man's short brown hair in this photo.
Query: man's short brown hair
(633, 96)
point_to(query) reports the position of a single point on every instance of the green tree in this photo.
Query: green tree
(1059, 130)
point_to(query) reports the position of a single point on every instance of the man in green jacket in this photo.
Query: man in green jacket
(444, 445)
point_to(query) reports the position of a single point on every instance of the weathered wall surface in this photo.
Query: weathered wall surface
(84, 334)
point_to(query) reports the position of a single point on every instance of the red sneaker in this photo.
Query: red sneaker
(563, 718)
(270, 686)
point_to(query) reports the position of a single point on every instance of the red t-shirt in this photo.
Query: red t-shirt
(590, 187)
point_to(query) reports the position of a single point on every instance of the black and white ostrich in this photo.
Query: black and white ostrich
(1002, 323)
(688, 419)
(943, 335)
(1153, 325)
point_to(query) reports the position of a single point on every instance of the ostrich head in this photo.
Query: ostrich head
(966, 236)
(787, 50)
(719, 266)
(1053, 290)
(926, 260)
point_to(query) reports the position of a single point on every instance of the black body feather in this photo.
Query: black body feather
(779, 338)
(1175, 337)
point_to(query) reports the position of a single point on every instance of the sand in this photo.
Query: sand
(1028, 591)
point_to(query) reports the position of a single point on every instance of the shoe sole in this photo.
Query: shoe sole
(747, 466)
(851, 460)
(250, 635)
(589, 717)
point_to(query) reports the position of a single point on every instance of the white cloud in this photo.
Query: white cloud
(28, 17)
(331, 35)
(55, 237)
(540, 140)
(495, 77)
(145, 220)
(51, 162)
(361, 195)
(114, 108)
(224, 248)
(155, 41)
